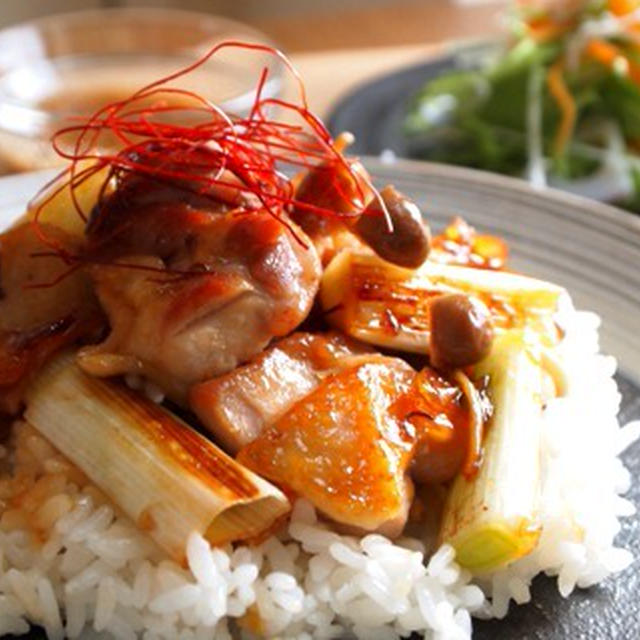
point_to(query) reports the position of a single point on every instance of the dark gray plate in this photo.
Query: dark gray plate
(593, 250)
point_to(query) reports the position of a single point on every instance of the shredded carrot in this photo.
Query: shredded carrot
(634, 72)
(607, 54)
(602, 51)
(566, 104)
(623, 7)
(547, 34)
(544, 29)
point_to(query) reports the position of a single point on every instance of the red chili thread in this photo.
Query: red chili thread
(251, 148)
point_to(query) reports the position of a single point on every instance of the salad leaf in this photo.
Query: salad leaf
(481, 118)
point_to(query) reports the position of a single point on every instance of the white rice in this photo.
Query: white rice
(74, 565)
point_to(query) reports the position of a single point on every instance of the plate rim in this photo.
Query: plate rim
(505, 183)
(374, 164)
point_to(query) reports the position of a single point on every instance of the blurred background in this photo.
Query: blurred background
(302, 25)
(64, 58)
(545, 90)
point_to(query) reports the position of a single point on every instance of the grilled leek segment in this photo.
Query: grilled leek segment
(388, 306)
(160, 472)
(491, 519)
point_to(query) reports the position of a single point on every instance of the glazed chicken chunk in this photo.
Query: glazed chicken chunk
(346, 447)
(32, 289)
(192, 289)
(40, 310)
(236, 407)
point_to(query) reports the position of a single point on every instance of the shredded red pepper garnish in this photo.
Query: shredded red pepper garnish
(196, 156)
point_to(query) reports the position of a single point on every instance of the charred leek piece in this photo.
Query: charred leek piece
(164, 475)
(491, 519)
(388, 306)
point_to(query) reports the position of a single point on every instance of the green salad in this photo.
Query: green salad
(559, 105)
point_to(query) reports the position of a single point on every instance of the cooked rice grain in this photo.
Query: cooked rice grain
(69, 561)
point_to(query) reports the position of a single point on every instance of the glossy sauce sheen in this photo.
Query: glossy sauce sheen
(332, 188)
(401, 304)
(438, 411)
(235, 407)
(460, 244)
(344, 447)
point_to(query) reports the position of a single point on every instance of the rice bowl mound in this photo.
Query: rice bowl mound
(72, 563)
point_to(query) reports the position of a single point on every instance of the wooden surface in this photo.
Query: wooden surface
(336, 50)
(310, 24)
(398, 23)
